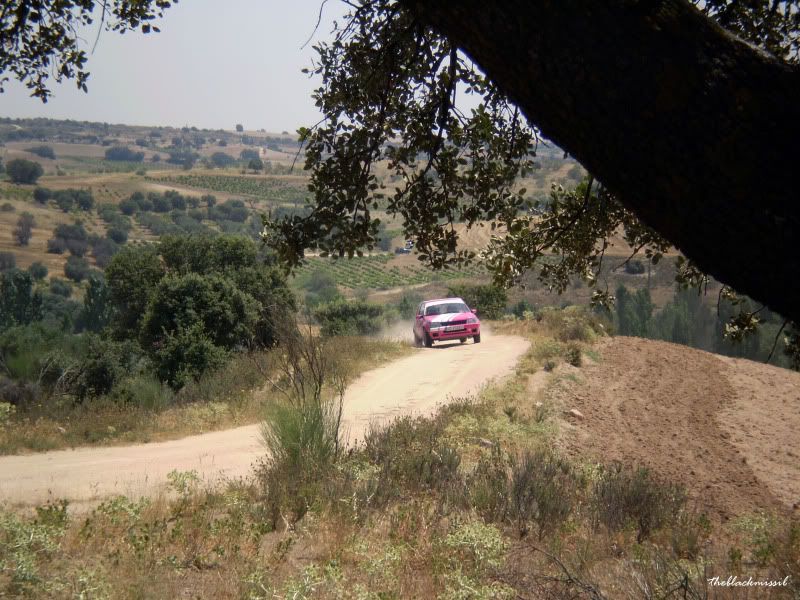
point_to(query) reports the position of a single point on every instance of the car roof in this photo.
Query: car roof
(442, 301)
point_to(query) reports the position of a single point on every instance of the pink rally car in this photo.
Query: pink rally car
(445, 319)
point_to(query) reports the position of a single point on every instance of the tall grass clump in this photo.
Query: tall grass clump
(301, 431)
(624, 497)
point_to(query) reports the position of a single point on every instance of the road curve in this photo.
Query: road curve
(415, 384)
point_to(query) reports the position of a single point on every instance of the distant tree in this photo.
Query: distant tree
(634, 312)
(60, 287)
(42, 195)
(24, 171)
(161, 204)
(84, 199)
(222, 143)
(255, 165)
(38, 271)
(64, 200)
(103, 251)
(248, 154)
(129, 206)
(132, 275)
(56, 246)
(239, 127)
(489, 300)
(24, 229)
(97, 306)
(7, 207)
(209, 200)
(155, 158)
(123, 153)
(76, 268)
(120, 236)
(43, 151)
(20, 304)
(221, 159)
(183, 157)
(141, 142)
(177, 201)
(7, 261)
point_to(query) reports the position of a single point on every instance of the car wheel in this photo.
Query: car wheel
(417, 341)
(477, 338)
(462, 340)
(428, 341)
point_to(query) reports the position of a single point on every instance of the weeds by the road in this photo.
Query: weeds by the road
(232, 396)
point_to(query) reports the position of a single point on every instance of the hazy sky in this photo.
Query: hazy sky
(214, 64)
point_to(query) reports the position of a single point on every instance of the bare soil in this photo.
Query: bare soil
(727, 429)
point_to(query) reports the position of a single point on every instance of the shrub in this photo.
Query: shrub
(76, 268)
(123, 153)
(522, 307)
(349, 318)
(24, 171)
(103, 251)
(634, 267)
(185, 354)
(56, 246)
(38, 271)
(221, 159)
(43, 151)
(623, 496)
(301, 432)
(129, 206)
(542, 491)
(99, 369)
(42, 195)
(7, 207)
(119, 236)
(7, 261)
(60, 287)
(573, 355)
(488, 299)
(24, 229)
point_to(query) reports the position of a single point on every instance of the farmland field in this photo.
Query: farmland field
(381, 272)
(274, 190)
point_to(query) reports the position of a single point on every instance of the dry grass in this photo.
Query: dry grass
(234, 396)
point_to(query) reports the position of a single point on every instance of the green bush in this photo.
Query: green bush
(185, 354)
(76, 268)
(24, 171)
(489, 300)
(60, 287)
(42, 195)
(8, 261)
(38, 271)
(350, 318)
(43, 151)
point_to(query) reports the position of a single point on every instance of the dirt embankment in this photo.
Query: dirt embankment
(728, 429)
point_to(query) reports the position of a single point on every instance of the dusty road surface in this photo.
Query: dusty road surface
(416, 384)
(728, 429)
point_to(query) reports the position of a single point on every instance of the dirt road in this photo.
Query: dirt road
(416, 384)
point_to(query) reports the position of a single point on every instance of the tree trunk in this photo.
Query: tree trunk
(693, 129)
